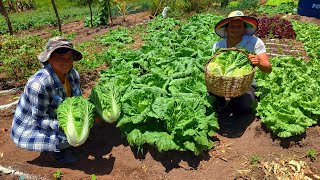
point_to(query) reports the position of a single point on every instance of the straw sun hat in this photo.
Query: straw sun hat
(251, 23)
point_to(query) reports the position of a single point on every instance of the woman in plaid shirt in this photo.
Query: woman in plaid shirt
(35, 124)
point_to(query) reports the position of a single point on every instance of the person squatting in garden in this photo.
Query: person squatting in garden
(237, 31)
(35, 124)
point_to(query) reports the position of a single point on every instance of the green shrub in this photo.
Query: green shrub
(283, 8)
(18, 6)
(197, 6)
(248, 4)
(279, 2)
(18, 55)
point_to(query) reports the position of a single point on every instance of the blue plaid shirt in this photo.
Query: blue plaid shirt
(35, 124)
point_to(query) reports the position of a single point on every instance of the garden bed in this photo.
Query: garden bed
(245, 151)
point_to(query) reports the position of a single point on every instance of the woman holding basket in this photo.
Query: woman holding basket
(237, 31)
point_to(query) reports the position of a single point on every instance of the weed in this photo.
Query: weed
(312, 154)
(280, 50)
(255, 159)
(93, 177)
(57, 175)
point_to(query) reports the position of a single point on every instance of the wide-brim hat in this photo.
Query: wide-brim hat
(56, 43)
(251, 24)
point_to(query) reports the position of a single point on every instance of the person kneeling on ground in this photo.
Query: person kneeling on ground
(35, 124)
(237, 31)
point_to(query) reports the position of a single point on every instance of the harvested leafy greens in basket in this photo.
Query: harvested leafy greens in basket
(230, 63)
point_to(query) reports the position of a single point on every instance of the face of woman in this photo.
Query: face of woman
(61, 61)
(235, 29)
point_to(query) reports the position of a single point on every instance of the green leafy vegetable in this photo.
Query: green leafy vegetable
(289, 96)
(76, 117)
(107, 101)
(164, 99)
(230, 63)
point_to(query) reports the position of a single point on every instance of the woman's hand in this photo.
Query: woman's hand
(254, 59)
(261, 61)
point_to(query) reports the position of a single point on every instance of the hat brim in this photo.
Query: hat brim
(45, 55)
(251, 25)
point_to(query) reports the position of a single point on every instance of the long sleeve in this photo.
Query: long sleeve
(39, 102)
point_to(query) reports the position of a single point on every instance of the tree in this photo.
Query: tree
(109, 10)
(6, 17)
(105, 12)
(57, 15)
(89, 4)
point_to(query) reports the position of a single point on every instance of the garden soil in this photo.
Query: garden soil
(244, 148)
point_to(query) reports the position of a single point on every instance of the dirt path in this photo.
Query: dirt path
(84, 34)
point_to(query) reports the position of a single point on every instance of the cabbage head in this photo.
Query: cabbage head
(106, 98)
(76, 117)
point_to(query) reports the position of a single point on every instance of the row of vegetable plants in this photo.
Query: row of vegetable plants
(289, 95)
(40, 15)
(39, 19)
(160, 87)
(157, 94)
(270, 8)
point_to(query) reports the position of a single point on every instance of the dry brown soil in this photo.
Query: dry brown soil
(84, 34)
(243, 150)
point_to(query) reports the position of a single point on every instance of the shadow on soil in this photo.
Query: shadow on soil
(173, 159)
(234, 125)
(96, 158)
(285, 142)
(94, 155)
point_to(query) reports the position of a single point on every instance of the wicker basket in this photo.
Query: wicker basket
(228, 87)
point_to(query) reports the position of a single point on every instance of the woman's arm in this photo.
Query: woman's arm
(39, 102)
(261, 60)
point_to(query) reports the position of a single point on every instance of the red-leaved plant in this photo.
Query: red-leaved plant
(275, 27)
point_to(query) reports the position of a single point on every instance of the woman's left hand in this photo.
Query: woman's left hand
(254, 59)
